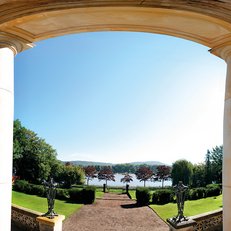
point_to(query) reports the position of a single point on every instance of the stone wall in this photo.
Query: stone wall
(24, 218)
(211, 221)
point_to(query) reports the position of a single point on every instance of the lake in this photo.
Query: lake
(133, 183)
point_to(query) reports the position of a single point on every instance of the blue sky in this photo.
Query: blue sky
(121, 97)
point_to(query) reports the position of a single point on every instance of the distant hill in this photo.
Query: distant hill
(86, 163)
(148, 163)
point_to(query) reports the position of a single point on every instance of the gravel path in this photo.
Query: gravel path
(114, 213)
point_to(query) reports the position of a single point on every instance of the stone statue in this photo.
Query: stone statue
(180, 191)
(50, 187)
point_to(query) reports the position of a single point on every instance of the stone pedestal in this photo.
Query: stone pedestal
(181, 226)
(46, 224)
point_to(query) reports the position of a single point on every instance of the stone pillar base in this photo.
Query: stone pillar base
(46, 224)
(181, 226)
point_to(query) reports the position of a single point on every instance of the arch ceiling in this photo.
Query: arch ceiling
(24, 22)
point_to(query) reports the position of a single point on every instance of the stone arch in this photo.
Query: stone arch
(29, 22)
(24, 22)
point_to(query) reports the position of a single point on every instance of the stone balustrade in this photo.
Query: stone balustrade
(211, 221)
(30, 220)
(25, 218)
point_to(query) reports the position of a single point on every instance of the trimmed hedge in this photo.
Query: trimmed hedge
(62, 194)
(84, 195)
(213, 190)
(162, 196)
(88, 194)
(142, 196)
(37, 190)
(75, 195)
(21, 186)
(197, 193)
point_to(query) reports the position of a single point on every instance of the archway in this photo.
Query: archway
(22, 23)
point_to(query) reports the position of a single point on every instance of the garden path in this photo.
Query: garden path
(115, 213)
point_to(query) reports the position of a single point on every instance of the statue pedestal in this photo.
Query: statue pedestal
(46, 224)
(181, 226)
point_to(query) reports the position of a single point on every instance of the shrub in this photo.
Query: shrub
(88, 194)
(37, 190)
(213, 190)
(62, 194)
(21, 186)
(197, 193)
(75, 195)
(142, 196)
(162, 196)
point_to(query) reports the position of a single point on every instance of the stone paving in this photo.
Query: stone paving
(115, 213)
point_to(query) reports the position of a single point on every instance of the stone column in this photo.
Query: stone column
(227, 151)
(6, 134)
(224, 51)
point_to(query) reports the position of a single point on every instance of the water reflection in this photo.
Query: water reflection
(133, 183)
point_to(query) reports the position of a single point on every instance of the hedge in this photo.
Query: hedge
(88, 195)
(62, 194)
(213, 190)
(142, 196)
(197, 193)
(162, 196)
(84, 195)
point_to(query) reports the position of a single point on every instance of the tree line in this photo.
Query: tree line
(126, 168)
(143, 173)
(202, 174)
(35, 160)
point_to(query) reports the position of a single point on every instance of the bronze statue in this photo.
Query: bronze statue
(50, 187)
(180, 191)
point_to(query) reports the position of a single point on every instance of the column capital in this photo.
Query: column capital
(13, 42)
(222, 50)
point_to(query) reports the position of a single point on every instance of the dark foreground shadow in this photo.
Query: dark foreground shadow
(130, 206)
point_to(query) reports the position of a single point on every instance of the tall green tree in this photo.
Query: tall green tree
(182, 171)
(208, 168)
(33, 158)
(198, 176)
(216, 162)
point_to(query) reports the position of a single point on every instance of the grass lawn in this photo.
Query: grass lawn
(99, 193)
(133, 194)
(191, 207)
(39, 204)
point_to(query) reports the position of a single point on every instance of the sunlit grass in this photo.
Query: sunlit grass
(192, 208)
(39, 204)
(99, 193)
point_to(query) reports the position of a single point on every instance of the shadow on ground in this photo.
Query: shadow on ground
(130, 206)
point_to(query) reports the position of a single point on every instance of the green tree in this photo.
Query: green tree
(33, 158)
(216, 162)
(208, 168)
(198, 176)
(182, 171)
(71, 174)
